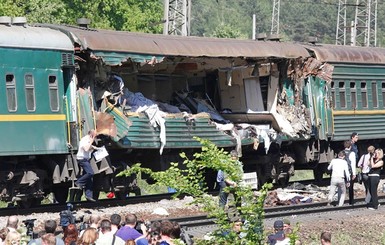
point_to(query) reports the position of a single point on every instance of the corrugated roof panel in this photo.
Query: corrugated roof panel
(351, 54)
(165, 45)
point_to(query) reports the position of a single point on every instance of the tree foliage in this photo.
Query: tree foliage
(127, 15)
(188, 178)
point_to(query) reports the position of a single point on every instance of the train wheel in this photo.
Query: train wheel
(121, 195)
(28, 203)
(61, 194)
(95, 195)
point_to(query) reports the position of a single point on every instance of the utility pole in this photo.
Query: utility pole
(275, 18)
(363, 28)
(177, 17)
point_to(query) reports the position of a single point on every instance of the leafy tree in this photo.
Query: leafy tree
(189, 179)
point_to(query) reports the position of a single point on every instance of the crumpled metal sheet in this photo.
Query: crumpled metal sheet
(318, 68)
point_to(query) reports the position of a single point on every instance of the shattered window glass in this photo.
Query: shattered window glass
(29, 92)
(53, 93)
(11, 92)
(364, 95)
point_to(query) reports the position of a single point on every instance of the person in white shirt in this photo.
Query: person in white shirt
(106, 237)
(340, 175)
(83, 158)
(363, 163)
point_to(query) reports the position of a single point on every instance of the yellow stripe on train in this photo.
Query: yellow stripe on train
(358, 112)
(32, 117)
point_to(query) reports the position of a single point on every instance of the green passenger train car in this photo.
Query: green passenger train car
(283, 106)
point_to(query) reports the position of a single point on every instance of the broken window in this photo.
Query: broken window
(364, 95)
(11, 92)
(53, 93)
(374, 95)
(29, 85)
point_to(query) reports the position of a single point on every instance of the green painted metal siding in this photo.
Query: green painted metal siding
(362, 111)
(42, 131)
(179, 134)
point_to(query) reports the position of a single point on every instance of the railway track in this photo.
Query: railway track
(104, 203)
(198, 226)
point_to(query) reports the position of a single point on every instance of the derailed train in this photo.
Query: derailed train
(283, 106)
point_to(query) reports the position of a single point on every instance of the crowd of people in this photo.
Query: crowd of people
(345, 173)
(98, 231)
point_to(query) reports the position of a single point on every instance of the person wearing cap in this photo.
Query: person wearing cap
(363, 164)
(279, 236)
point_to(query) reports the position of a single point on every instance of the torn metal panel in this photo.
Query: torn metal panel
(314, 67)
(122, 123)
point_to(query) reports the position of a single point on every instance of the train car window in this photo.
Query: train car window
(383, 93)
(353, 94)
(53, 93)
(341, 86)
(333, 94)
(10, 84)
(29, 84)
(374, 95)
(364, 95)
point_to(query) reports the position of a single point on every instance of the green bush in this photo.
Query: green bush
(189, 179)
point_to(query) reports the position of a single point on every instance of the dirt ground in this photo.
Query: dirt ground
(357, 227)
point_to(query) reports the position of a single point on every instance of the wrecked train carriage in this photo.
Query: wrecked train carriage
(239, 84)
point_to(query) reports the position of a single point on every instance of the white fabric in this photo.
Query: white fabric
(156, 119)
(106, 239)
(352, 158)
(364, 163)
(339, 168)
(82, 153)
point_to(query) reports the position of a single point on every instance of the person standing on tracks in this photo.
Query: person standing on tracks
(363, 163)
(83, 157)
(353, 140)
(224, 181)
(376, 163)
(340, 174)
(350, 157)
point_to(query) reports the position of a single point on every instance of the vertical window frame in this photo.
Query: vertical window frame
(375, 94)
(27, 88)
(364, 95)
(342, 94)
(11, 85)
(53, 86)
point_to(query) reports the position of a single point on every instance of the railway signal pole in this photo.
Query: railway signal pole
(177, 17)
